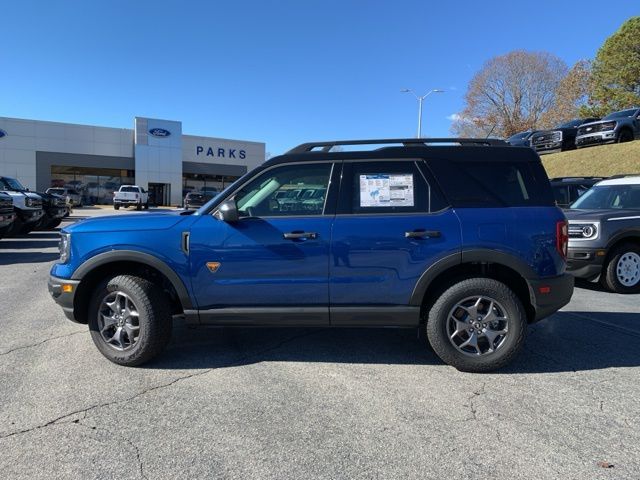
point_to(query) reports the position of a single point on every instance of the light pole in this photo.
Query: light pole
(420, 100)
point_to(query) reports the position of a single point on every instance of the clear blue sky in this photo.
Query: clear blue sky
(282, 72)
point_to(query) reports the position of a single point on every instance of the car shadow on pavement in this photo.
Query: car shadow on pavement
(13, 258)
(587, 285)
(566, 342)
(19, 242)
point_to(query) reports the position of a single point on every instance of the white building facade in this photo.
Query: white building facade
(97, 160)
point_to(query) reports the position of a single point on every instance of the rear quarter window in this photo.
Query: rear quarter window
(494, 183)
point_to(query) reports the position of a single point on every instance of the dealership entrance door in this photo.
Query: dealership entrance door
(159, 194)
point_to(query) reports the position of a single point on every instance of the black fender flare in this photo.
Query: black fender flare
(630, 233)
(138, 257)
(469, 256)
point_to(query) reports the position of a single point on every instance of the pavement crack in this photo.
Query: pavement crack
(472, 398)
(84, 411)
(127, 440)
(41, 342)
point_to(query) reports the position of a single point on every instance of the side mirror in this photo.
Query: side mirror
(228, 211)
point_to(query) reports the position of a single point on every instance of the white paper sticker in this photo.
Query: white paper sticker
(386, 190)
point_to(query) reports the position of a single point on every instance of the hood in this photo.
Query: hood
(128, 222)
(600, 214)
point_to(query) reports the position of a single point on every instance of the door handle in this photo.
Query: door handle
(300, 235)
(423, 234)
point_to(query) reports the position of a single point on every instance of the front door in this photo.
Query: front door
(272, 264)
(391, 225)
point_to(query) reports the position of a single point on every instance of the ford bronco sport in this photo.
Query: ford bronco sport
(604, 234)
(459, 237)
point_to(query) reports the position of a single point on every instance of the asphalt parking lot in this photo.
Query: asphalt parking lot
(311, 403)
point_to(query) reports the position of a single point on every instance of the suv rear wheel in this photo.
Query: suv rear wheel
(625, 136)
(477, 325)
(621, 272)
(129, 320)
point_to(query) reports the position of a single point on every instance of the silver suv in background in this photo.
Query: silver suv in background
(72, 196)
(617, 127)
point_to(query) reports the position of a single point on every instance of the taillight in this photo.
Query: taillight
(562, 238)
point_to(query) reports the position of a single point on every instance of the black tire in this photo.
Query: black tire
(16, 228)
(146, 206)
(507, 348)
(54, 223)
(625, 136)
(610, 279)
(116, 207)
(155, 321)
(139, 207)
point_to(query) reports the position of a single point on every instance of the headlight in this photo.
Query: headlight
(28, 202)
(65, 247)
(583, 231)
(608, 126)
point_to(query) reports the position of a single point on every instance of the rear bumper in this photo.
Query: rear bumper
(62, 298)
(585, 262)
(551, 294)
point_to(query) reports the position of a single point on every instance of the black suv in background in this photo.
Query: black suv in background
(522, 139)
(55, 209)
(567, 190)
(7, 216)
(619, 127)
(558, 139)
(193, 200)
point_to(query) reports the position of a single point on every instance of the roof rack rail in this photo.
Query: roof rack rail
(624, 175)
(407, 142)
(577, 177)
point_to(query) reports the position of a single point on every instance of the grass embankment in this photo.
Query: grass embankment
(600, 161)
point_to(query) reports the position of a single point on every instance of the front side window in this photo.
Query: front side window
(289, 190)
(610, 196)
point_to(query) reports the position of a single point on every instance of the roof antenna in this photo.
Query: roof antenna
(491, 131)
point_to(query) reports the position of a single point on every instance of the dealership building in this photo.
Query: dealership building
(155, 154)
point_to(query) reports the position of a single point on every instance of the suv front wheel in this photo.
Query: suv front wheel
(477, 325)
(621, 272)
(129, 320)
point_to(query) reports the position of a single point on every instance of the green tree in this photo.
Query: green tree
(615, 78)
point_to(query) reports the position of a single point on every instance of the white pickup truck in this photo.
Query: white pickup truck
(131, 195)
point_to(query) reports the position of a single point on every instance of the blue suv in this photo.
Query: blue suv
(458, 237)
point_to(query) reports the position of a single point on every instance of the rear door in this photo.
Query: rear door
(391, 225)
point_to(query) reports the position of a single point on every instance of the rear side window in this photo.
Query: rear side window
(494, 184)
(386, 187)
(129, 189)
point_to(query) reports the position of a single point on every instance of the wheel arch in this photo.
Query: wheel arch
(129, 262)
(499, 266)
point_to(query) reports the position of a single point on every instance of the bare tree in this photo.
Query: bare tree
(510, 94)
(571, 97)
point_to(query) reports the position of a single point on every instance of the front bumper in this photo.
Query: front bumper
(7, 219)
(30, 216)
(56, 212)
(599, 138)
(61, 297)
(585, 262)
(551, 294)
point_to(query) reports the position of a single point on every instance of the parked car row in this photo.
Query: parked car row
(617, 127)
(22, 211)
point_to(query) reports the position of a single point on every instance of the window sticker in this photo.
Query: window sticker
(386, 190)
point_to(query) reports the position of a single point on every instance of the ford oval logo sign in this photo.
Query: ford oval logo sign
(3, 133)
(159, 132)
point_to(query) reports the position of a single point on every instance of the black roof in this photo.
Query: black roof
(454, 149)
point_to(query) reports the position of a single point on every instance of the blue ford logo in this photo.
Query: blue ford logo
(3, 133)
(159, 132)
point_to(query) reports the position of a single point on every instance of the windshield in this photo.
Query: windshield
(57, 191)
(622, 114)
(11, 184)
(519, 136)
(610, 196)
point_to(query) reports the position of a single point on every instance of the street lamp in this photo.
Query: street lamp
(420, 100)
